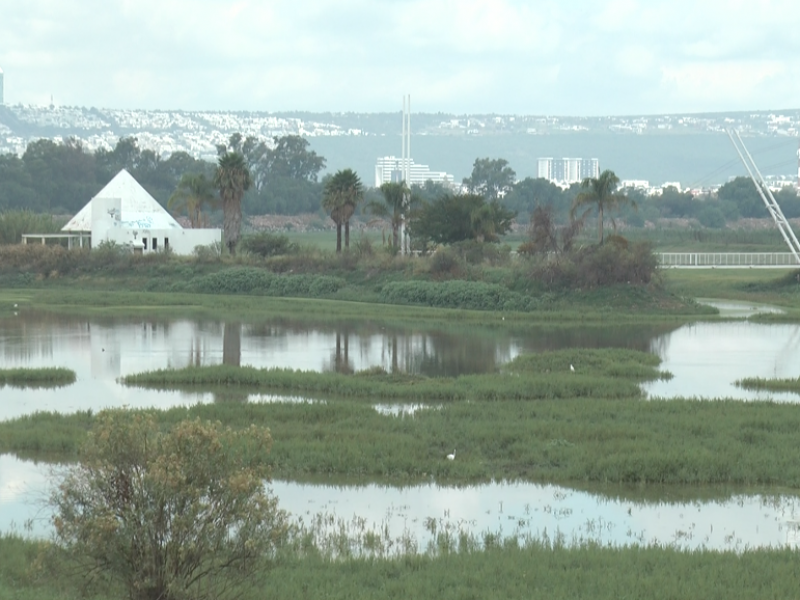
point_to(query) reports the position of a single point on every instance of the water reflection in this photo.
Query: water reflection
(707, 358)
(100, 349)
(740, 522)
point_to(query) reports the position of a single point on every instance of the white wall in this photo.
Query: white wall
(181, 241)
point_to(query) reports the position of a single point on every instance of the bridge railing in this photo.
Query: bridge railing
(710, 260)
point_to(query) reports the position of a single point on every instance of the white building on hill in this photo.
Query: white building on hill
(390, 169)
(566, 171)
(124, 213)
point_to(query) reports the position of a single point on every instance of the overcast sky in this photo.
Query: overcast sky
(562, 57)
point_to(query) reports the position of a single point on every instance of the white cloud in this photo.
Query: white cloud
(581, 57)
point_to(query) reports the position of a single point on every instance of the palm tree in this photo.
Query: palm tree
(194, 192)
(232, 179)
(342, 194)
(600, 192)
(394, 207)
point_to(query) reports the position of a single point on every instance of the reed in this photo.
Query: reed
(569, 441)
(468, 566)
(45, 377)
(769, 385)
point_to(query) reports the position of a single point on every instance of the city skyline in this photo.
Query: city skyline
(612, 57)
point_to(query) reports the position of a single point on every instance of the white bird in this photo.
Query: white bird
(452, 456)
(15, 306)
(571, 368)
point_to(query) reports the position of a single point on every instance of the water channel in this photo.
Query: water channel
(704, 357)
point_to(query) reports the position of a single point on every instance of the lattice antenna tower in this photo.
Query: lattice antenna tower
(766, 194)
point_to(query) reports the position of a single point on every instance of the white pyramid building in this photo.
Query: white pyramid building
(139, 208)
(124, 213)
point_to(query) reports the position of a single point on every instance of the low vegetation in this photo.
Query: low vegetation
(46, 377)
(465, 565)
(770, 385)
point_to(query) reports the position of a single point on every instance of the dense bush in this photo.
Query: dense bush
(615, 261)
(249, 280)
(474, 295)
(268, 244)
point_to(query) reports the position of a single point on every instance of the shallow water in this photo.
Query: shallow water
(100, 350)
(705, 358)
(524, 509)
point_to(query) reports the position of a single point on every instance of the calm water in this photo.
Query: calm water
(526, 509)
(706, 358)
(102, 350)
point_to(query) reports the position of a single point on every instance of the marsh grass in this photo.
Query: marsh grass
(37, 378)
(377, 384)
(589, 440)
(459, 566)
(770, 385)
(603, 373)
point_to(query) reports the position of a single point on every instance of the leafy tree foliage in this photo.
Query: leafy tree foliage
(61, 176)
(395, 206)
(601, 194)
(290, 158)
(285, 176)
(430, 190)
(491, 178)
(193, 194)
(232, 179)
(457, 217)
(742, 193)
(673, 203)
(168, 515)
(530, 193)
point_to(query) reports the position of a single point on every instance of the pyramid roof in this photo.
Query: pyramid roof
(139, 209)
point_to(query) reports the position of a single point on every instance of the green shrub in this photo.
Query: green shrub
(445, 262)
(268, 244)
(711, 216)
(615, 261)
(474, 295)
(249, 280)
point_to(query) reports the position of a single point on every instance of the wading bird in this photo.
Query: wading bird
(452, 456)
(571, 368)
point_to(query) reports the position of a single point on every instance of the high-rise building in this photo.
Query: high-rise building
(391, 168)
(1, 87)
(568, 170)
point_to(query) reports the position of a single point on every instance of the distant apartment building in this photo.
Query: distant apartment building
(391, 168)
(568, 170)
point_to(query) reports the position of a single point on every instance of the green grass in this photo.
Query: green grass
(768, 286)
(621, 304)
(771, 385)
(511, 569)
(569, 441)
(46, 377)
(606, 373)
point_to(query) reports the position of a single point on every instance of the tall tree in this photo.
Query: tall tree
(458, 217)
(601, 194)
(491, 178)
(291, 158)
(395, 207)
(342, 194)
(232, 179)
(193, 194)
